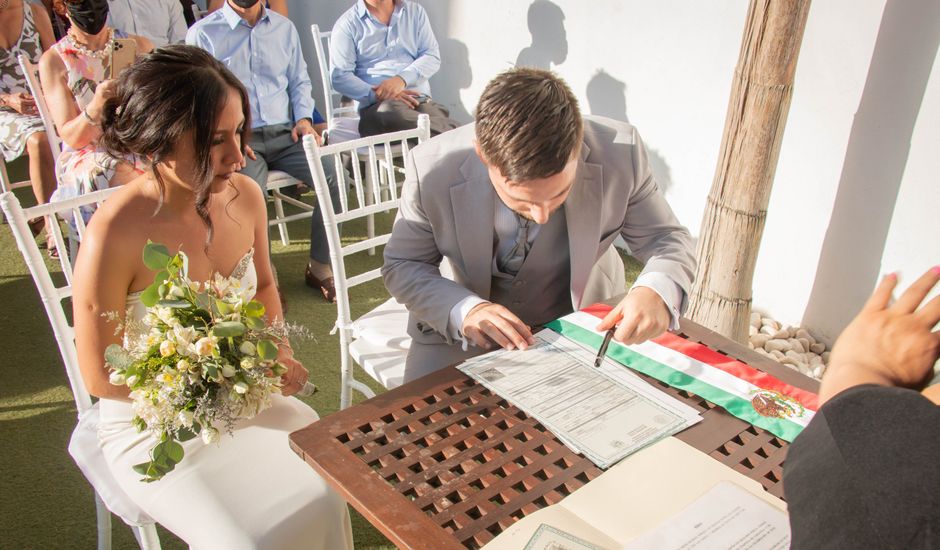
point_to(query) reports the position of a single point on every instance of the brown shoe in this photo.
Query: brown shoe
(326, 286)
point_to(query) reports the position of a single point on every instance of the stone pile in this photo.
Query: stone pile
(791, 346)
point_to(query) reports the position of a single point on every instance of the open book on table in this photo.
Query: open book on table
(667, 496)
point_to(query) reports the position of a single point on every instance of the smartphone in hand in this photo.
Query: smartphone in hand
(123, 55)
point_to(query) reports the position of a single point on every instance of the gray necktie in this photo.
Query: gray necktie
(511, 262)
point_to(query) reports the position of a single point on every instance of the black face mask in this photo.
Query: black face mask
(89, 16)
(245, 4)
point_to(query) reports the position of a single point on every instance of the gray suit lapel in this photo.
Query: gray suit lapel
(583, 211)
(473, 202)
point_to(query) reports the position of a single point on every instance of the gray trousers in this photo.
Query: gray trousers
(394, 116)
(275, 149)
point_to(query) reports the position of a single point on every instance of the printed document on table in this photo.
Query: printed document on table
(726, 517)
(603, 413)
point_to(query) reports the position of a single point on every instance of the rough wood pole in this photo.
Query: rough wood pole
(737, 203)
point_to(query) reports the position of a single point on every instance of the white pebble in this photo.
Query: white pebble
(782, 334)
(797, 346)
(817, 371)
(795, 356)
(751, 330)
(778, 345)
(825, 357)
(805, 343)
(759, 340)
(755, 319)
(768, 330)
(778, 355)
(803, 333)
(818, 347)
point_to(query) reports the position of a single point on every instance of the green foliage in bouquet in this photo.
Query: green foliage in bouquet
(202, 357)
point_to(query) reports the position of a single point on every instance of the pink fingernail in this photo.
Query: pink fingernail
(935, 269)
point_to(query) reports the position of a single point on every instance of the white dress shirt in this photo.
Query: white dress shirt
(160, 21)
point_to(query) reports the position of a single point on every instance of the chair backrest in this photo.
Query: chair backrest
(5, 183)
(374, 175)
(32, 79)
(333, 109)
(51, 294)
(198, 13)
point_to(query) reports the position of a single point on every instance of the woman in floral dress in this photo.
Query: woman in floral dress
(74, 78)
(25, 29)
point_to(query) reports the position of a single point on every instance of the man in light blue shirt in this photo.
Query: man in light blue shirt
(382, 53)
(160, 21)
(262, 49)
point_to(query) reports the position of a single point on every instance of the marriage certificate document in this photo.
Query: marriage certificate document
(603, 413)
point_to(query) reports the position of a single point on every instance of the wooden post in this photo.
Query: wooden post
(737, 203)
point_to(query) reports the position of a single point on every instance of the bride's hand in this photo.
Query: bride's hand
(296, 376)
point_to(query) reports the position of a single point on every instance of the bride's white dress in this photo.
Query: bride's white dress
(248, 491)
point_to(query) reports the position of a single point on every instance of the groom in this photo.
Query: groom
(525, 206)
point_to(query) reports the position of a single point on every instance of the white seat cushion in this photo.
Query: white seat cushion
(344, 128)
(381, 343)
(86, 451)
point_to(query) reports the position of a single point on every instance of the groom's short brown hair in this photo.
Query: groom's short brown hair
(528, 124)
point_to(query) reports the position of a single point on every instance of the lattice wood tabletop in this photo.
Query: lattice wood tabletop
(443, 463)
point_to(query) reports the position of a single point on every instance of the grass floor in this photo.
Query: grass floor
(46, 501)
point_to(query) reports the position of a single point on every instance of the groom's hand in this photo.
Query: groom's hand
(488, 323)
(641, 315)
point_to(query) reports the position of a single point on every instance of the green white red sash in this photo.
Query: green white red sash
(747, 393)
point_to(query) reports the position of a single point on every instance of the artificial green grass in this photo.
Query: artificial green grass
(47, 503)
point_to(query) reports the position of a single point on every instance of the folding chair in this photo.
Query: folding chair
(5, 183)
(83, 446)
(32, 79)
(377, 341)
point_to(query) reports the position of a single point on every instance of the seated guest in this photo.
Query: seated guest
(160, 21)
(279, 6)
(526, 205)
(864, 473)
(188, 114)
(74, 76)
(382, 53)
(263, 49)
(28, 31)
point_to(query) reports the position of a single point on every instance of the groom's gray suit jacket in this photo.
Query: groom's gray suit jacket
(447, 212)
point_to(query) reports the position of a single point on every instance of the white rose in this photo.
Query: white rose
(228, 371)
(205, 346)
(247, 348)
(131, 380)
(116, 378)
(209, 435)
(167, 348)
(183, 365)
(176, 291)
(240, 388)
(247, 363)
(186, 418)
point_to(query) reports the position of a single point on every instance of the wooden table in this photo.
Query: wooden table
(442, 463)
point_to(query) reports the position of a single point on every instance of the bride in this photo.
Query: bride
(188, 115)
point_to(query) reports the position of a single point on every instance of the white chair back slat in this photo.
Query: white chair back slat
(31, 72)
(331, 98)
(365, 208)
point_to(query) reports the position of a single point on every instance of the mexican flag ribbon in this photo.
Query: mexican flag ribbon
(747, 393)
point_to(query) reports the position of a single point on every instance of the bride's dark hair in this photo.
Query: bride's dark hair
(158, 99)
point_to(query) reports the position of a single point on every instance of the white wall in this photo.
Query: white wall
(856, 186)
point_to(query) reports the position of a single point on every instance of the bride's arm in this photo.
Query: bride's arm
(100, 287)
(296, 376)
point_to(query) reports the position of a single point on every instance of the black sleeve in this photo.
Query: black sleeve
(864, 473)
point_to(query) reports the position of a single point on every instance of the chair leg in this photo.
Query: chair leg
(103, 516)
(279, 212)
(370, 219)
(346, 371)
(147, 537)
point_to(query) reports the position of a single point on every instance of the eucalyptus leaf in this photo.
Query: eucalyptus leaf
(255, 323)
(118, 357)
(267, 350)
(156, 256)
(228, 329)
(150, 295)
(174, 304)
(254, 308)
(224, 308)
(185, 434)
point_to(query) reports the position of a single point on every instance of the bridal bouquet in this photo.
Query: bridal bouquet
(201, 358)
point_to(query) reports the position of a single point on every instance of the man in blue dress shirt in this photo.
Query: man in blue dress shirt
(262, 48)
(382, 53)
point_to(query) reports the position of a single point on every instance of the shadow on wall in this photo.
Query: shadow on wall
(454, 75)
(549, 39)
(607, 97)
(850, 261)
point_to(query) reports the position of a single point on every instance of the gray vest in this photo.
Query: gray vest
(541, 291)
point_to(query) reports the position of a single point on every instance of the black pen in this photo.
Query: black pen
(602, 351)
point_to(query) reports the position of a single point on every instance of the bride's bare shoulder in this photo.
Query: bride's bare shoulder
(121, 221)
